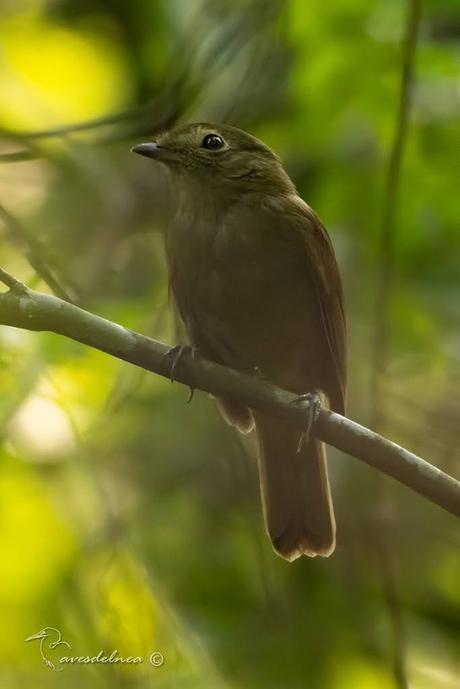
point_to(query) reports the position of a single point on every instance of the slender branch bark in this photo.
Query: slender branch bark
(24, 308)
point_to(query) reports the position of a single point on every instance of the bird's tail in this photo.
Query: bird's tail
(295, 490)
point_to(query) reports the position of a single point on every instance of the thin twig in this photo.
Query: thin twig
(381, 333)
(12, 282)
(33, 252)
(142, 127)
(386, 563)
(94, 123)
(32, 310)
(388, 228)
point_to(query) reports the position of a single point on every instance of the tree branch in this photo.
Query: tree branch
(24, 308)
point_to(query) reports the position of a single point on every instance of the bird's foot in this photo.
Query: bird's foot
(176, 353)
(258, 373)
(314, 407)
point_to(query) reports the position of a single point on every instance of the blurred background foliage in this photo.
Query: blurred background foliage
(131, 520)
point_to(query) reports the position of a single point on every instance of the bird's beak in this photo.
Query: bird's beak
(38, 635)
(155, 151)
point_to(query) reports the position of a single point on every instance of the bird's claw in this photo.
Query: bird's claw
(176, 353)
(314, 407)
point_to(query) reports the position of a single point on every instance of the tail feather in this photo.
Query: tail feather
(295, 491)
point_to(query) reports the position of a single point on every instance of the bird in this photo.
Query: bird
(44, 635)
(256, 282)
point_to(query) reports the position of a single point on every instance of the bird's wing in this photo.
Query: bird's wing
(325, 275)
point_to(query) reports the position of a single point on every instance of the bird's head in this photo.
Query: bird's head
(45, 633)
(217, 154)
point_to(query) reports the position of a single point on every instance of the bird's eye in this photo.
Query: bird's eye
(213, 142)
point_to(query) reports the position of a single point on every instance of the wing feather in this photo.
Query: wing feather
(326, 279)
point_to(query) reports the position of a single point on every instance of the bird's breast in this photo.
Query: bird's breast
(213, 258)
(240, 284)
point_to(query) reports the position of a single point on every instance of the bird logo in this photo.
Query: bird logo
(50, 638)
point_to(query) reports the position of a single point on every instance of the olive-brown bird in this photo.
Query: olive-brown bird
(255, 279)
